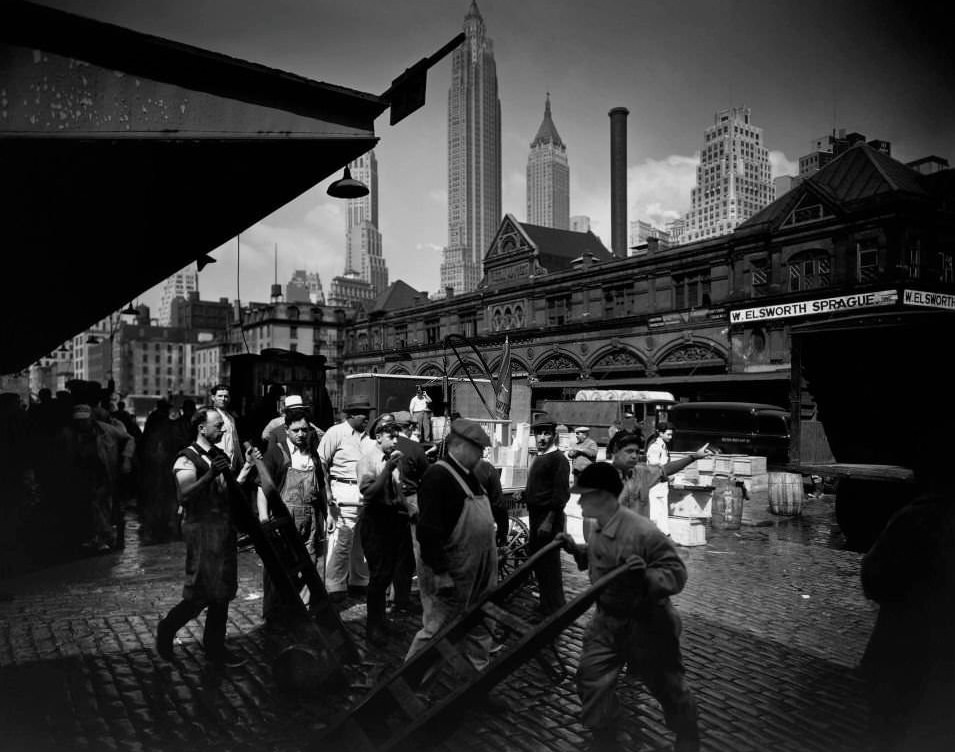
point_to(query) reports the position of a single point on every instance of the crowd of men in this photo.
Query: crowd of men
(376, 509)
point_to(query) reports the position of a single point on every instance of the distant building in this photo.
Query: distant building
(784, 183)
(153, 360)
(548, 177)
(929, 165)
(580, 223)
(641, 231)
(363, 253)
(474, 157)
(179, 285)
(826, 148)
(304, 287)
(350, 291)
(733, 180)
(208, 316)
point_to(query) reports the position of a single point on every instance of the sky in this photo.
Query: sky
(803, 67)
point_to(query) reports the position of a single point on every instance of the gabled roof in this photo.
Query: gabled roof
(398, 295)
(547, 133)
(858, 174)
(560, 247)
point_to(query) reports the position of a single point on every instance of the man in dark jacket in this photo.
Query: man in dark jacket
(635, 622)
(547, 493)
(412, 468)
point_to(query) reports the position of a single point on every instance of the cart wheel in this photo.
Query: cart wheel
(513, 553)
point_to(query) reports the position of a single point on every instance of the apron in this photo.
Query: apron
(299, 491)
(472, 564)
(659, 494)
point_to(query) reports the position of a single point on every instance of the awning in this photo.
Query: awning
(126, 157)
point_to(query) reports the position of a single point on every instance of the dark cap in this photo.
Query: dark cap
(357, 406)
(621, 439)
(543, 421)
(468, 429)
(600, 476)
(385, 419)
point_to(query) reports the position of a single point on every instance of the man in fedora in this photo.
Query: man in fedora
(339, 452)
(546, 495)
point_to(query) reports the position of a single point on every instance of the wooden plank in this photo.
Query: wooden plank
(450, 652)
(509, 620)
(410, 704)
(860, 471)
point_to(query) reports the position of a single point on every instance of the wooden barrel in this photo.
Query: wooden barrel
(727, 506)
(785, 494)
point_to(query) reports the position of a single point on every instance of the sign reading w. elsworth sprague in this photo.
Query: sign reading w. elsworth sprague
(929, 299)
(815, 307)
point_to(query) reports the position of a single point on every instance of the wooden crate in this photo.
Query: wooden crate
(694, 502)
(747, 466)
(687, 532)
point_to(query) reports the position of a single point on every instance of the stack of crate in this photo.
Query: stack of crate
(749, 470)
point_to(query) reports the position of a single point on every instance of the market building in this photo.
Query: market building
(864, 231)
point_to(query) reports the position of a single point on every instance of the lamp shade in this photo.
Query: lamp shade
(347, 187)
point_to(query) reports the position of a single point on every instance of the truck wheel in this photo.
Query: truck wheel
(863, 507)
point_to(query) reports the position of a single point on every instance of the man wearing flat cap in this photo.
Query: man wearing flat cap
(455, 535)
(635, 623)
(584, 452)
(546, 495)
(339, 452)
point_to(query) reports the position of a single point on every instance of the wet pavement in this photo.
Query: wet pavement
(774, 627)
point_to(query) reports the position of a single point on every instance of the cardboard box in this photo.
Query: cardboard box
(687, 532)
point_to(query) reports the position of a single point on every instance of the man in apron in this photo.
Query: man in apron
(455, 540)
(295, 470)
(658, 455)
(209, 532)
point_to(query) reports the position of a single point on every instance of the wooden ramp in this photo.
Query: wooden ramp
(400, 711)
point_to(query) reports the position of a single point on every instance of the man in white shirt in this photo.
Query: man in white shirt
(339, 452)
(221, 398)
(420, 409)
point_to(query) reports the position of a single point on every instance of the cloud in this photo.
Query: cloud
(439, 196)
(658, 190)
(325, 214)
(782, 165)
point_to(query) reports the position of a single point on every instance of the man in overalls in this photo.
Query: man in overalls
(455, 540)
(296, 472)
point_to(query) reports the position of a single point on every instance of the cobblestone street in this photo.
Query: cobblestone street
(774, 626)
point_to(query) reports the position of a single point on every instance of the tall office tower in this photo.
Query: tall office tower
(548, 177)
(828, 147)
(474, 157)
(733, 181)
(362, 238)
(179, 285)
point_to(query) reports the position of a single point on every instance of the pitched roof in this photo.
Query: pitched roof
(557, 248)
(547, 133)
(859, 173)
(399, 294)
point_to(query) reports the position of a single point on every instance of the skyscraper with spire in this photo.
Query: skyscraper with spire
(474, 157)
(362, 238)
(548, 177)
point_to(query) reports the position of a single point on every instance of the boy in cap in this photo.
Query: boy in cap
(546, 495)
(455, 534)
(634, 623)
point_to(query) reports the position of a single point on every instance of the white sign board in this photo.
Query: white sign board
(815, 307)
(929, 299)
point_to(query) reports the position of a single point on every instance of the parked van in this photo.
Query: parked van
(732, 428)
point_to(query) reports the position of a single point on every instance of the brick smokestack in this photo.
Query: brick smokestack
(618, 181)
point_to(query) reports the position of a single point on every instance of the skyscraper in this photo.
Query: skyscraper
(548, 177)
(362, 238)
(179, 285)
(733, 181)
(474, 157)
(304, 287)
